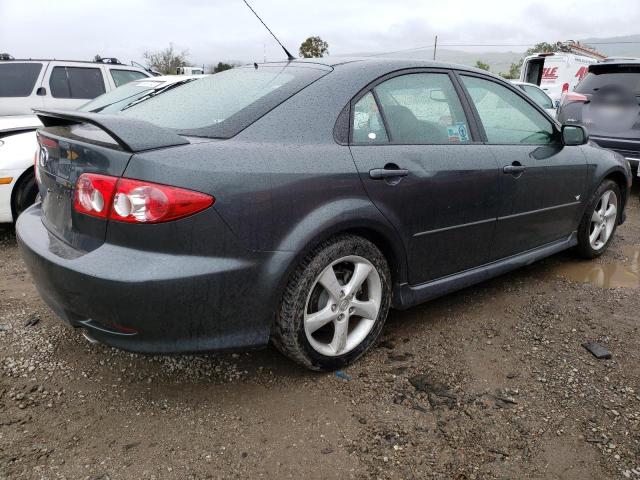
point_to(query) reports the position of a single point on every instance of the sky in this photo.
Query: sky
(225, 30)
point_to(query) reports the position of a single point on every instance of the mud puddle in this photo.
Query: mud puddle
(621, 273)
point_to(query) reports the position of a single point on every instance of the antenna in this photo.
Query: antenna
(289, 56)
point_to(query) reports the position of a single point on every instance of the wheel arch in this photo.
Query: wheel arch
(621, 180)
(29, 171)
(366, 222)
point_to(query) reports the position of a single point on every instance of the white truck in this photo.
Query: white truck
(190, 70)
(555, 72)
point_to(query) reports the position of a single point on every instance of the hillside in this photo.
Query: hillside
(500, 61)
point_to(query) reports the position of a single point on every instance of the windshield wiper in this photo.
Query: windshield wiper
(154, 93)
(99, 109)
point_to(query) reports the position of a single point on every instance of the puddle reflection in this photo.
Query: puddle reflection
(611, 275)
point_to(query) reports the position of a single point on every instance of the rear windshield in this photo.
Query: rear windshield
(128, 95)
(538, 96)
(221, 105)
(18, 79)
(627, 77)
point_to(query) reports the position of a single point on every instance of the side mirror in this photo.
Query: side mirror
(574, 135)
(437, 96)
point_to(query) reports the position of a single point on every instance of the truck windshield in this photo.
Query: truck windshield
(221, 105)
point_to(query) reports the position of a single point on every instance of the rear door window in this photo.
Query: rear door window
(120, 77)
(76, 82)
(368, 126)
(507, 118)
(18, 79)
(423, 108)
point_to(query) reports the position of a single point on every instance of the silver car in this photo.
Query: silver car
(538, 95)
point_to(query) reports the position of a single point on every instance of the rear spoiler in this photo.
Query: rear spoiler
(131, 134)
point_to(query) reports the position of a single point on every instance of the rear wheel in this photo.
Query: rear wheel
(600, 220)
(335, 305)
(24, 194)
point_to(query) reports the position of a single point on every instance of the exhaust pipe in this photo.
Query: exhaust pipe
(89, 338)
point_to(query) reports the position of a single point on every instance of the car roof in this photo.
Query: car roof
(620, 61)
(374, 62)
(518, 82)
(83, 62)
(610, 66)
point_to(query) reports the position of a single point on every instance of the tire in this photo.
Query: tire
(24, 194)
(586, 247)
(348, 257)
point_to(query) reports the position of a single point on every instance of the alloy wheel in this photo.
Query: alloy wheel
(342, 306)
(603, 220)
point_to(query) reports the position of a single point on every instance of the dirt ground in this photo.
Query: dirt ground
(489, 382)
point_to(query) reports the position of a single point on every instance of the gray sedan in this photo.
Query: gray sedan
(297, 202)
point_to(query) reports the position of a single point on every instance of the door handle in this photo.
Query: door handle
(382, 173)
(514, 169)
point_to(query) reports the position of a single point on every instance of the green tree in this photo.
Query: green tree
(314, 47)
(482, 65)
(221, 67)
(168, 60)
(514, 71)
(542, 47)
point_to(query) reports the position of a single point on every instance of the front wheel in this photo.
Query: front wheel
(600, 220)
(335, 305)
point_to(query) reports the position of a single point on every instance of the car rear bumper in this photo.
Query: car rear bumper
(153, 302)
(630, 149)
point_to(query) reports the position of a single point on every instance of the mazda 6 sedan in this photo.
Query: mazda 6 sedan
(296, 203)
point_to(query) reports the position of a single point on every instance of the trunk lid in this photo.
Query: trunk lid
(66, 152)
(73, 143)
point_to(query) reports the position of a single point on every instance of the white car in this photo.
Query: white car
(18, 144)
(537, 95)
(64, 84)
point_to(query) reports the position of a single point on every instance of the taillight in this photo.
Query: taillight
(565, 88)
(94, 194)
(570, 97)
(135, 201)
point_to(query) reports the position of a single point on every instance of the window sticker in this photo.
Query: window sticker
(458, 132)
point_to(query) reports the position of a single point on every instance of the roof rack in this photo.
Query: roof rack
(571, 46)
(111, 60)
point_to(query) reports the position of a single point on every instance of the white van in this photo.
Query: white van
(556, 73)
(64, 84)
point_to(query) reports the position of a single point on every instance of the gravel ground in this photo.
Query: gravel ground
(489, 382)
